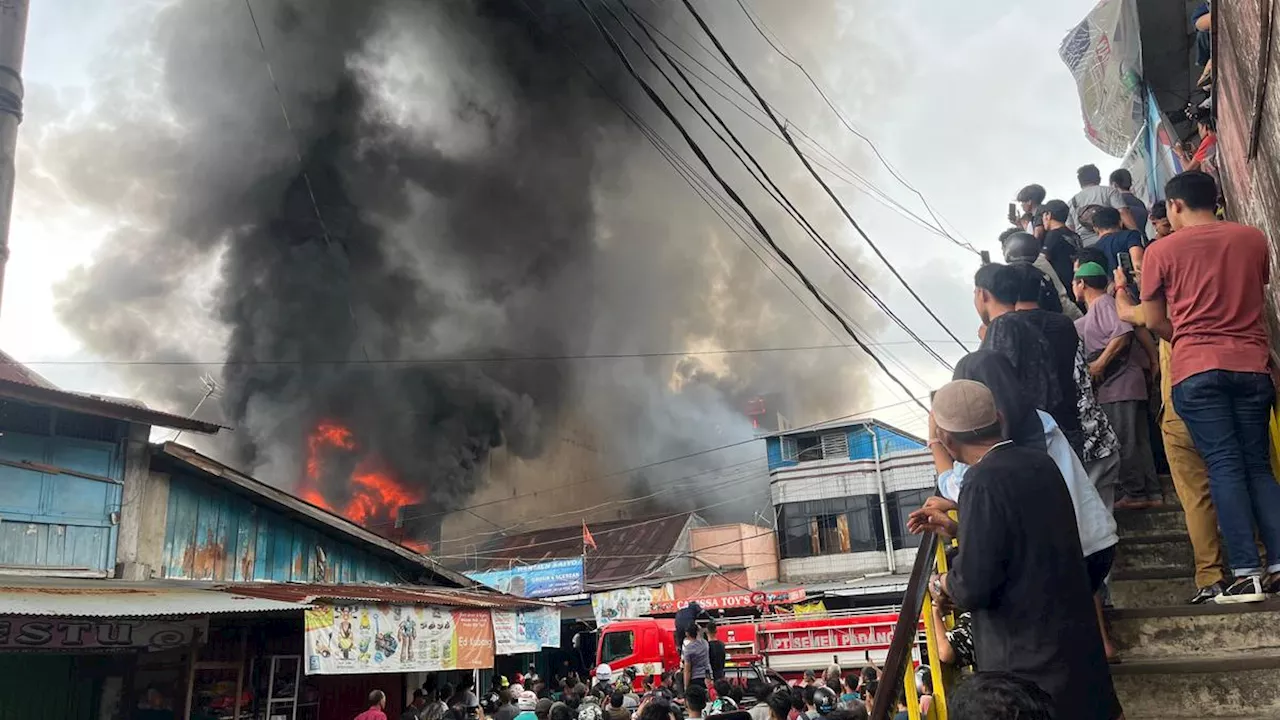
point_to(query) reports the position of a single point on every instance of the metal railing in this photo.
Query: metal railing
(898, 673)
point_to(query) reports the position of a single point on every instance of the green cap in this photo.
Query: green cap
(1091, 269)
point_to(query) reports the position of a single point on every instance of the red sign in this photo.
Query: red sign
(832, 638)
(728, 602)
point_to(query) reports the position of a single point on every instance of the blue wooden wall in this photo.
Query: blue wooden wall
(861, 444)
(55, 520)
(212, 533)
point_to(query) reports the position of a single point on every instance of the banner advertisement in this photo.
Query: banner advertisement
(545, 579)
(1104, 54)
(522, 631)
(627, 602)
(736, 600)
(353, 639)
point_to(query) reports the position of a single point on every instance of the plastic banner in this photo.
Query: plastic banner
(522, 631)
(627, 602)
(354, 639)
(546, 579)
(1104, 54)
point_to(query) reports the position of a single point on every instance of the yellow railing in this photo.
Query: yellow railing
(937, 673)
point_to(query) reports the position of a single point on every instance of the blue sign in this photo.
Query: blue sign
(545, 579)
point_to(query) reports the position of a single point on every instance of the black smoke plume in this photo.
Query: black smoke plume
(453, 185)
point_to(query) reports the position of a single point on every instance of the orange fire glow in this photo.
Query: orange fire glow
(374, 495)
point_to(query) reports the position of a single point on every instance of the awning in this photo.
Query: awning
(80, 601)
(481, 599)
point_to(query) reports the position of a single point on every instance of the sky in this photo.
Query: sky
(972, 104)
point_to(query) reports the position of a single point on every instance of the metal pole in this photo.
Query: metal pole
(13, 37)
(884, 501)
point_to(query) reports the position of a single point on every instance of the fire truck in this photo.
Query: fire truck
(781, 645)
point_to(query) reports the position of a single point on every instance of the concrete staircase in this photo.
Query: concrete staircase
(1180, 660)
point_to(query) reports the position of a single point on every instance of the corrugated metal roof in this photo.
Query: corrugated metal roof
(219, 472)
(840, 424)
(397, 594)
(119, 600)
(617, 557)
(18, 383)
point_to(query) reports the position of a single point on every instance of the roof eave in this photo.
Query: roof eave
(297, 506)
(90, 405)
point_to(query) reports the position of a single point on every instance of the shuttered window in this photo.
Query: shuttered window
(835, 446)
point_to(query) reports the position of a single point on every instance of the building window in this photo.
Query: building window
(902, 504)
(803, 448)
(830, 526)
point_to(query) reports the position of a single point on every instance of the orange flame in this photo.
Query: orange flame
(375, 495)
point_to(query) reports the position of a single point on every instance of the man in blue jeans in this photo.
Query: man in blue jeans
(1203, 289)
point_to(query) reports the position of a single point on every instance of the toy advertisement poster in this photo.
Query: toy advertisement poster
(358, 638)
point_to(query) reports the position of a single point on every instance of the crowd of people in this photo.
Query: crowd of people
(1114, 336)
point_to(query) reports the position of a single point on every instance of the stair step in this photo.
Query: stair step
(1162, 553)
(1163, 520)
(1217, 686)
(1149, 592)
(1189, 631)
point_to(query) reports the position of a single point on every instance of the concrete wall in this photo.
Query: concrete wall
(1251, 184)
(753, 548)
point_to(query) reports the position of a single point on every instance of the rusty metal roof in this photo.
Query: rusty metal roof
(104, 598)
(18, 382)
(626, 550)
(398, 594)
(216, 471)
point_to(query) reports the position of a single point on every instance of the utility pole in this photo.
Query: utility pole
(13, 39)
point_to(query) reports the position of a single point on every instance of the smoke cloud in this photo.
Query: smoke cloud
(454, 185)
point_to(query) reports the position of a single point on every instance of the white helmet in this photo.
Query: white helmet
(604, 673)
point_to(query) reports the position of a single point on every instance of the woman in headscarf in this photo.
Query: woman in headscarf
(1033, 428)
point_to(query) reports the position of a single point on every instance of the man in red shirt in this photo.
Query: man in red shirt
(1203, 290)
(377, 701)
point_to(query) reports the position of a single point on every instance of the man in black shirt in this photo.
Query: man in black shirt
(1015, 335)
(1064, 341)
(1061, 243)
(716, 650)
(1020, 570)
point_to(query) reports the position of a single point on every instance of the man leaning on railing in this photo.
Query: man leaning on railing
(1019, 570)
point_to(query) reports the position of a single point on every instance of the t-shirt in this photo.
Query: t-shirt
(1017, 337)
(698, 656)
(1099, 327)
(1063, 343)
(1103, 195)
(715, 650)
(1213, 279)
(1021, 572)
(1060, 248)
(527, 715)
(1117, 242)
(617, 713)
(372, 713)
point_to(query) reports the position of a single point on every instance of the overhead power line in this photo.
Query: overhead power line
(761, 28)
(757, 171)
(782, 128)
(733, 194)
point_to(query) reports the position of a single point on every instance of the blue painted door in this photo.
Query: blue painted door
(52, 519)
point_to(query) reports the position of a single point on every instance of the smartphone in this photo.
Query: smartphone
(1126, 266)
(1013, 213)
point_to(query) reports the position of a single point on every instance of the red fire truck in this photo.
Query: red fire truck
(782, 644)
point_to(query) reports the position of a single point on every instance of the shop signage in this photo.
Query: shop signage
(546, 579)
(351, 639)
(97, 634)
(627, 602)
(521, 631)
(832, 638)
(729, 602)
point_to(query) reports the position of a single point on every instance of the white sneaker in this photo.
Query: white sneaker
(1243, 590)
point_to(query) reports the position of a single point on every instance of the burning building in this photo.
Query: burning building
(405, 282)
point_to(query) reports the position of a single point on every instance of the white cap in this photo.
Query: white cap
(515, 689)
(604, 673)
(527, 700)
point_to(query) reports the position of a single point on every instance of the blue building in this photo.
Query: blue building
(841, 493)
